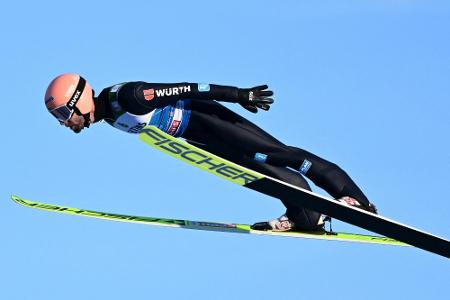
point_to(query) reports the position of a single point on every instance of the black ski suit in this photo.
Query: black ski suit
(215, 128)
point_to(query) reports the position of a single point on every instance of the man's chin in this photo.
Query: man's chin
(77, 129)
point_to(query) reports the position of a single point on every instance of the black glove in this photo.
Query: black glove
(255, 97)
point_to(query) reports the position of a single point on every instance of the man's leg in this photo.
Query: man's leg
(303, 219)
(229, 135)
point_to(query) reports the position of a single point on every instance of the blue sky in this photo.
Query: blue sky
(364, 84)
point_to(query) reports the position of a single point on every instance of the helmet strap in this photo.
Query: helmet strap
(76, 97)
(87, 120)
(87, 116)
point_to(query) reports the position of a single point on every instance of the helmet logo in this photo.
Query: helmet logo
(74, 99)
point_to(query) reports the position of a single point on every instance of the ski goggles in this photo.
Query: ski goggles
(64, 112)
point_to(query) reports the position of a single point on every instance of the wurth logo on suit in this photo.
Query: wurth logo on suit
(149, 94)
(172, 91)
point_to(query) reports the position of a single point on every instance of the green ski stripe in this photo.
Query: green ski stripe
(198, 157)
(202, 225)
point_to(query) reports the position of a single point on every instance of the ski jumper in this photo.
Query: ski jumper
(189, 111)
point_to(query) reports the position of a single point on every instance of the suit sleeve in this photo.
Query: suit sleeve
(142, 97)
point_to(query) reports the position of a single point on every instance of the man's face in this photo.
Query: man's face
(76, 123)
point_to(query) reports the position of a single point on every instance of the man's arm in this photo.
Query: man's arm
(142, 97)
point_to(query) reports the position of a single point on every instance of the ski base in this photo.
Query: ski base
(207, 226)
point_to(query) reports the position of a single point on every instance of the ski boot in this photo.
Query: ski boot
(355, 203)
(283, 224)
(279, 224)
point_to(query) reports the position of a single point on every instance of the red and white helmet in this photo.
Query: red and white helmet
(68, 93)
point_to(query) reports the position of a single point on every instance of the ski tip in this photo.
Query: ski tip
(17, 199)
